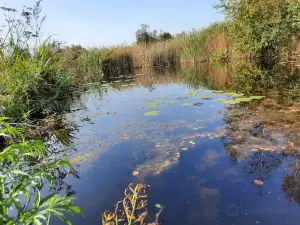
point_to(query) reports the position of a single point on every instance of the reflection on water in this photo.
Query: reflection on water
(200, 156)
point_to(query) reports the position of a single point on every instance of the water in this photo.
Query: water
(201, 161)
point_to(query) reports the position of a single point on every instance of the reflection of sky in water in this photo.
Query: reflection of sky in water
(204, 186)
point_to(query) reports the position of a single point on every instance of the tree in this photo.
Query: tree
(164, 36)
(262, 27)
(144, 35)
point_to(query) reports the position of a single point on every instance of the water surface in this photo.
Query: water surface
(201, 157)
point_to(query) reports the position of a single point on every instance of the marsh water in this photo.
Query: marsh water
(207, 161)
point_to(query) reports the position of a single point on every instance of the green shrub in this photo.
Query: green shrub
(262, 27)
(25, 168)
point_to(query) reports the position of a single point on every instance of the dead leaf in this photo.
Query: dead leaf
(135, 173)
(193, 143)
(259, 182)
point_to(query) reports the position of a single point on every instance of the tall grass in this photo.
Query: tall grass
(193, 47)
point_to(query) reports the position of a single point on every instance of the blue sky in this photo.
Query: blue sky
(98, 22)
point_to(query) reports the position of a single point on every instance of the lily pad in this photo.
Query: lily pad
(153, 105)
(184, 149)
(243, 99)
(170, 102)
(233, 94)
(221, 99)
(257, 97)
(193, 92)
(230, 102)
(187, 104)
(152, 113)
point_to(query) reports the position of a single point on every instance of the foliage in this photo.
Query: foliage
(30, 71)
(192, 45)
(25, 166)
(132, 210)
(164, 36)
(262, 27)
(144, 35)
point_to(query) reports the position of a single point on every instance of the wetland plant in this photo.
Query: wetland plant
(132, 210)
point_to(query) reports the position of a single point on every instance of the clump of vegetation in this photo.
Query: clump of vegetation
(25, 168)
(145, 36)
(262, 27)
(30, 73)
(133, 209)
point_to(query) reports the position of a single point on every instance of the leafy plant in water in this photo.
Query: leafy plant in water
(132, 210)
(152, 113)
(25, 166)
(257, 97)
(170, 102)
(243, 99)
(187, 104)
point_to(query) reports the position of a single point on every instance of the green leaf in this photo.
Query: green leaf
(187, 104)
(233, 94)
(230, 102)
(152, 113)
(76, 210)
(184, 149)
(159, 206)
(243, 99)
(257, 97)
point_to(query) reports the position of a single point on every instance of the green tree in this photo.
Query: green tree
(164, 36)
(262, 27)
(144, 35)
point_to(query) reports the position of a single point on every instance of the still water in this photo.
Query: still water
(207, 162)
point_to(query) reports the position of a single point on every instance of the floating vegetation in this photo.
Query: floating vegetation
(152, 113)
(162, 97)
(170, 102)
(257, 97)
(218, 91)
(220, 99)
(182, 98)
(187, 104)
(243, 99)
(193, 92)
(233, 94)
(206, 98)
(153, 105)
(230, 102)
(198, 104)
(159, 206)
(135, 173)
(132, 210)
(259, 182)
(184, 149)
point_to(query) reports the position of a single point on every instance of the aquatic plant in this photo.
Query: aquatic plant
(152, 113)
(170, 102)
(132, 210)
(187, 104)
(25, 168)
